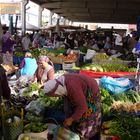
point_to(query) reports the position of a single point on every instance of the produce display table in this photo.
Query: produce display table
(10, 69)
(101, 74)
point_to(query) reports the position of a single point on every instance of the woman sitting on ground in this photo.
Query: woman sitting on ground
(45, 70)
(29, 65)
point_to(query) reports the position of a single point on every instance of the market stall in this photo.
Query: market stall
(118, 102)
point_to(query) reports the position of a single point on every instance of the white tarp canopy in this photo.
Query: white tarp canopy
(28, 26)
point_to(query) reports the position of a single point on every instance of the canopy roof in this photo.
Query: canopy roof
(99, 11)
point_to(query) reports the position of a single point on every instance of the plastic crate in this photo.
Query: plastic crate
(17, 60)
(72, 71)
(57, 67)
(68, 65)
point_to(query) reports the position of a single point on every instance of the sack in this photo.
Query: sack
(116, 85)
(61, 133)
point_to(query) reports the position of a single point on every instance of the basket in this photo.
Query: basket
(56, 60)
(12, 130)
(34, 136)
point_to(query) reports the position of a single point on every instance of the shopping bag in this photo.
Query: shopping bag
(116, 85)
(62, 133)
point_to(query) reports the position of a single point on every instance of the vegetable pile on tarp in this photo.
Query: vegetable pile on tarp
(108, 68)
(37, 108)
(124, 126)
(110, 103)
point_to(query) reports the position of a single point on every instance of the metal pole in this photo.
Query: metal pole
(23, 15)
(40, 16)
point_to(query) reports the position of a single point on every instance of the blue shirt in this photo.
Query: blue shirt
(29, 67)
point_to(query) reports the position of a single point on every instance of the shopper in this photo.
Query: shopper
(29, 65)
(7, 43)
(82, 103)
(26, 41)
(45, 70)
(4, 87)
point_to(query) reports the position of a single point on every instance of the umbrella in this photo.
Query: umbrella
(1, 33)
(11, 28)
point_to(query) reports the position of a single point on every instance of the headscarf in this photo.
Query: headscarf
(55, 87)
(46, 59)
(43, 58)
(28, 54)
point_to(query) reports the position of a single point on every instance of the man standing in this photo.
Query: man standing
(119, 42)
(26, 42)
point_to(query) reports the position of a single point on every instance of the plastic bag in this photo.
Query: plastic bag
(116, 85)
(61, 133)
(90, 54)
(24, 80)
(36, 107)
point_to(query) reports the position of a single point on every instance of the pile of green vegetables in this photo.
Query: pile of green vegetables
(29, 92)
(126, 127)
(108, 68)
(107, 99)
(36, 127)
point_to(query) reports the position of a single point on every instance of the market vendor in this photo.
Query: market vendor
(45, 70)
(4, 87)
(82, 102)
(28, 65)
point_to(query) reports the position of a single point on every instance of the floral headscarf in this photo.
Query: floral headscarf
(46, 59)
(43, 58)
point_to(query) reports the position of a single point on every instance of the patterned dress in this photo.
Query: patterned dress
(83, 104)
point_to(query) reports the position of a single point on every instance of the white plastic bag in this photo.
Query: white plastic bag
(90, 54)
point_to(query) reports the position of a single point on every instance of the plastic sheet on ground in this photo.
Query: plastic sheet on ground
(101, 74)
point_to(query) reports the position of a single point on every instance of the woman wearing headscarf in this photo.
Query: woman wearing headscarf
(82, 103)
(29, 65)
(45, 70)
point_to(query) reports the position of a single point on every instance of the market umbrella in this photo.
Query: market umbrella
(57, 28)
(1, 33)
(11, 28)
